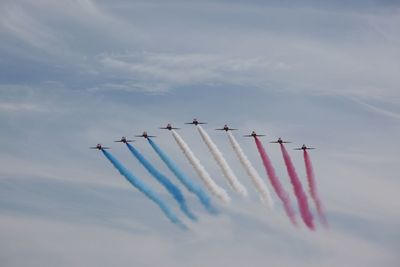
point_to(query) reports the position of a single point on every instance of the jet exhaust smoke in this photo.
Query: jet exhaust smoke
(298, 190)
(219, 158)
(276, 184)
(251, 171)
(190, 185)
(313, 188)
(142, 187)
(162, 179)
(215, 189)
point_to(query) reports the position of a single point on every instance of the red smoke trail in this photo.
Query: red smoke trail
(298, 190)
(276, 184)
(313, 188)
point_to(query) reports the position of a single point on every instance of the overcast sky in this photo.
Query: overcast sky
(81, 72)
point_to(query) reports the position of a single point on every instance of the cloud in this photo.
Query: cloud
(92, 217)
(52, 181)
(80, 72)
(316, 49)
(20, 107)
(377, 110)
(19, 23)
(162, 72)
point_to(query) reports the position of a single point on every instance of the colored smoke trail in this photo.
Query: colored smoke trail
(313, 188)
(276, 184)
(142, 187)
(219, 158)
(215, 189)
(171, 188)
(298, 190)
(251, 171)
(190, 185)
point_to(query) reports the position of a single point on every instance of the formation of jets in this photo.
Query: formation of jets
(226, 128)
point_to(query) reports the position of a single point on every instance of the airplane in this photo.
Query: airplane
(195, 122)
(304, 147)
(226, 128)
(99, 147)
(169, 127)
(280, 141)
(145, 135)
(124, 140)
(253, 134)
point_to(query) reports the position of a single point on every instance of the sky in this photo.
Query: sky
(81, 72)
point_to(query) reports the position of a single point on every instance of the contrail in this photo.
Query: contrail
(313, 188)
(219, 158)
(251, 171)
(298, 190)
(142, 187)
(162, 179)
(215, 189)
(276, 184)
(190, 185)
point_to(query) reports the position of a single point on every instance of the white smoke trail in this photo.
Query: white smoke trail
(201, 171)
(253, 174)
(219, 158)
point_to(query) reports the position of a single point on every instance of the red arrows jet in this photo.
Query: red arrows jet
(145, 135)
(124, 140)
(169, 127)
(226, 128)
(280, 141)
(253, 134)
(195, 122)
(99, 147)
(303, 148)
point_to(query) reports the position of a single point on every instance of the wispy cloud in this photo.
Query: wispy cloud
(162, 71)
(319, 49)
(377, 110)
(70, 68)
(20, 107)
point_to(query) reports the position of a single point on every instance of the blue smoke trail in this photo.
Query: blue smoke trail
(142, 187)
(171, 188)
(190, 185)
